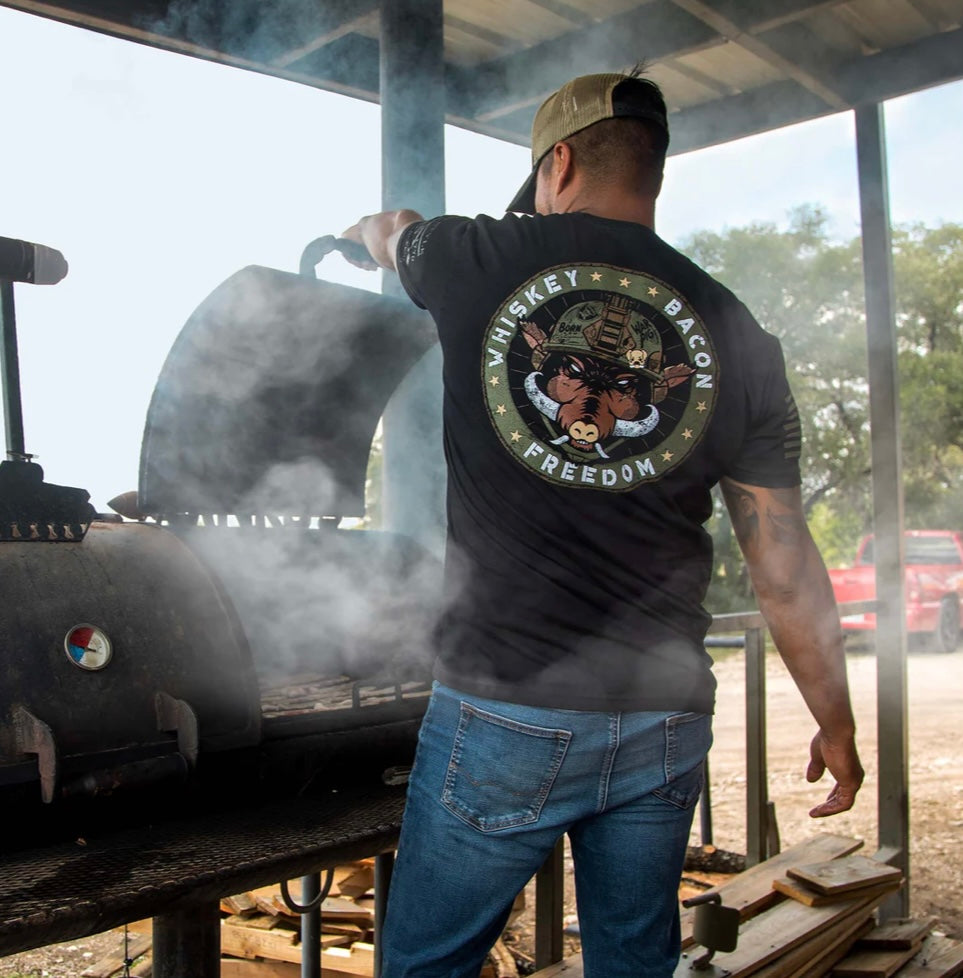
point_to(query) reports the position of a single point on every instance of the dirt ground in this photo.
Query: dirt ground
(935, 690)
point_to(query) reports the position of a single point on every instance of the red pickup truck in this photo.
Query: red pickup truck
(934, 587)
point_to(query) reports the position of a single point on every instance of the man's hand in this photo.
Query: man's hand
(842, 761)
(380, 233)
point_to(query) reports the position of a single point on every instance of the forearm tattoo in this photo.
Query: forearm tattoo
(782, 526)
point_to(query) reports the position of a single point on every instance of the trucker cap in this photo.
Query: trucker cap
(581, 103)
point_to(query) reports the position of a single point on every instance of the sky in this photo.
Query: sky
(158, 176)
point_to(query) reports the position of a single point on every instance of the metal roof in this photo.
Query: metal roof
(728, 68)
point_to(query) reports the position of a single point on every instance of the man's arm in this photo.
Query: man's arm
(380, 234)
(796, 599)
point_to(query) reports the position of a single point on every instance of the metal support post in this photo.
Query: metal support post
(10, 366)
(384, 866)
(757, 777)
(412, 87)
(187, 941)
(311, 927)
(549, 905)
(893, 799)
(705, 806)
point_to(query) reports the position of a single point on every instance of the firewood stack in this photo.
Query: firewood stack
(809, 912)
(261, 935)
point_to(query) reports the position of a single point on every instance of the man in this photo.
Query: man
(597, 385)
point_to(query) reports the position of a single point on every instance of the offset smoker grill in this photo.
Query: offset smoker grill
(236, 641)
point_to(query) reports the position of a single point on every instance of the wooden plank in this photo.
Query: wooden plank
(899, 933)
(257, 921)
(358, 882)
(355, 960)
(570, 967)
(822, 949)
(145, 926)
(342, 910)
(751, 891)
(239, 903)
(813, 898)
(939, 957)
(239, 968)
(783, 927)
(144, 968)
(502, 961)
(844, 875)
(825, 959)
(354, 932)
(137, 945)
(246, 942)
(873, 963)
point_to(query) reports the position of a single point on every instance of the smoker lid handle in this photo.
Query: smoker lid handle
(320, 247)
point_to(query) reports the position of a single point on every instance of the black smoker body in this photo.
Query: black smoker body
(231, 642)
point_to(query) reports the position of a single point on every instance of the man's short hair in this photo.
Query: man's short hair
(584, 104)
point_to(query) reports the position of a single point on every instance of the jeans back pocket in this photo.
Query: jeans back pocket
(501, 771)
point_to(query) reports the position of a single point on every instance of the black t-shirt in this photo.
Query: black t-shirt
(597, 384)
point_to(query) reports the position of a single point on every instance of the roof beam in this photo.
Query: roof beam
(773, 106)
(758, 16)
(739, 35)
(932, 61)
(653, 31)
(338, 19)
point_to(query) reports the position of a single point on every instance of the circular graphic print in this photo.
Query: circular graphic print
(598, 377)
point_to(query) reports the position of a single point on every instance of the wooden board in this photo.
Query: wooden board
(239, 903)
(873, 963)
(751, 891)
(357, 882)
(256, 921)
(822, 949)
(782, 928)
(813, 898)
(939, 957)
(899, 933)
(246, 942)
(238, 968)
(355, 960)
(824, 959)
(340, 909)
(137, 945)
(844, 875)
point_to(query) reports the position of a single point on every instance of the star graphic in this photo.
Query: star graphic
(493, 381)
(687, 434)
(653, 291)
(667, 456)
(624, 282)
(701, 406)
(596, 276)
(516, 436)
(500, 409)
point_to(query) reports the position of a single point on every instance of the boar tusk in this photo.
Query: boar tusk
(559, 441)
(599, 449)
(635, 429)
(539, 398)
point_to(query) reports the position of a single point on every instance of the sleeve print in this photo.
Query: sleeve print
(422, 274)
(415, 240)
(792, 430)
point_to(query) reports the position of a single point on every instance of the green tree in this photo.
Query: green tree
(808, 291)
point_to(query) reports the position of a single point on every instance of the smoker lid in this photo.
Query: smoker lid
(270, 396)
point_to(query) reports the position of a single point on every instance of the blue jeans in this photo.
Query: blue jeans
(495, 785)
